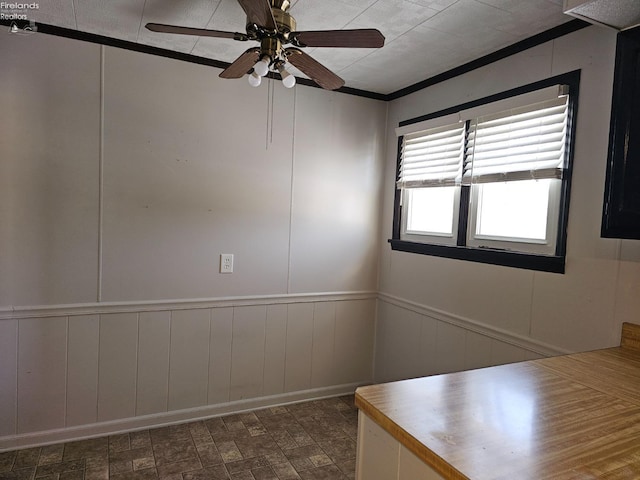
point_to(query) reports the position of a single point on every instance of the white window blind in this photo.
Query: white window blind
(432, 157)
(522, 143)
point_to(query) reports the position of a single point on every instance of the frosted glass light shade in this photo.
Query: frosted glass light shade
(255, 80)
(288, 80)
(262, 67)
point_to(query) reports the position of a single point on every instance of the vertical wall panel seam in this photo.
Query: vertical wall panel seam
(135, 390)
(334, 373)
(208, 359)
(209, 354)
(374, 351)
(15, 408)
(313, 337)
(166, 398)
(98, 372)
(169, 369)
(233, 318)
(291, 189)
(313, 310)
(101, 174)
(286, 343)
(381, 202)
(264, 347)
(66, 375)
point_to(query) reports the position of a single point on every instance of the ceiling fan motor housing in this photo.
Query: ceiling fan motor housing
(286, 23)
(272, 47)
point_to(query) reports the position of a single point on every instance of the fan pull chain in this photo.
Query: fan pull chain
(269, 132)
(272, 88)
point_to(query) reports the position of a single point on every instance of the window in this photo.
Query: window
(489, 181)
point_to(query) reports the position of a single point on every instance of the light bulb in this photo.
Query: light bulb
(255, 80)
(262, 66)
(288, 80)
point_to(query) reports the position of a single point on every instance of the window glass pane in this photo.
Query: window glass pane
(515, 210)
(430, 210)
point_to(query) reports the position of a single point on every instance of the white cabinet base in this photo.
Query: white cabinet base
(382, 457)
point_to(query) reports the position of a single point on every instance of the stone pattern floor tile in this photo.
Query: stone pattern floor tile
(304, 441)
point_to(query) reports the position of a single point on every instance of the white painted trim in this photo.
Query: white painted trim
(520, 341)
(34, 439)
(101, 308)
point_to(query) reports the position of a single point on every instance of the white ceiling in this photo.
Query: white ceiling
(423, 37)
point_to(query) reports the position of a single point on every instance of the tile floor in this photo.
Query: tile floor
(308, 441)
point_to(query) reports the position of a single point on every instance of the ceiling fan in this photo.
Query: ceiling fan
(269, 22)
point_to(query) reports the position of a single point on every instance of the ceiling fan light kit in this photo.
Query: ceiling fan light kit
(288, 80)
(254, 79)
(261, 67)
(269, 22)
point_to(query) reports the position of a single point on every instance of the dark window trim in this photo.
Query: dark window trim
(529, 261)
(621, 207)
(547, 263)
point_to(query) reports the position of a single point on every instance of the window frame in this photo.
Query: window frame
(555, 262)
(432, 237)
(513, 243)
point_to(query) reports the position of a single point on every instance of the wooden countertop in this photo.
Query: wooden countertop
(570, 417)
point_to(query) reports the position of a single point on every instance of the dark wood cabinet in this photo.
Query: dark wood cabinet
(621, 213)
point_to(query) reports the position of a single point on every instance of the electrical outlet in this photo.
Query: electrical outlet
(226, 263)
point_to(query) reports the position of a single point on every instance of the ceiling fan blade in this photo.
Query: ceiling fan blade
(259, 12)
(201, 32)
(242, 64)
(361, 38)
(313, 69)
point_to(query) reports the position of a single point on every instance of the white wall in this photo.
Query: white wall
(437, 315)
(123, 177)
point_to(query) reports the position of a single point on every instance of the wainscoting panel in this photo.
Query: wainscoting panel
(117, 366)
(413, 340)
(82, 369)
(247, 352)
(354, 340)
(8, 376)
(154, 337)
(274, 349)
(42, 362)
(324, 328)
(220, 354)
(189, 358)
(77, 371)
(297, 373)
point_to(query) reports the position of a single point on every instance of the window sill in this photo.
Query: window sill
(529, 261)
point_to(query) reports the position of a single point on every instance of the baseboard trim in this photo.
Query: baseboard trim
(505, 336)
(38, 439)
(102, 308)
